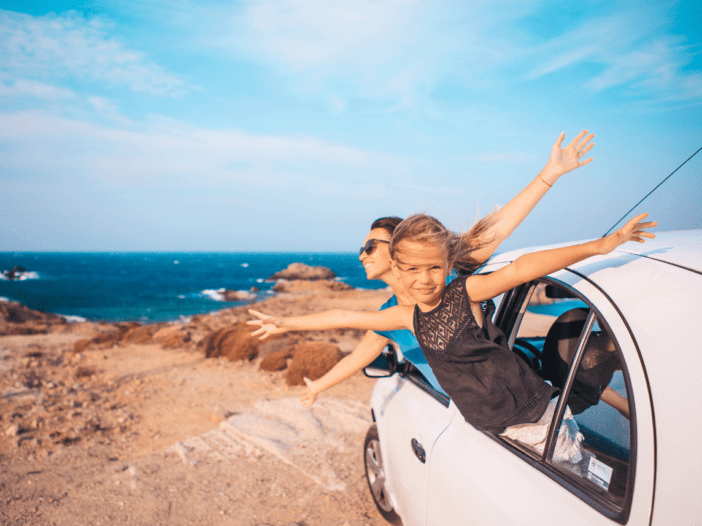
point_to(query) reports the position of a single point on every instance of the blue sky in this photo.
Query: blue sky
(289, 125)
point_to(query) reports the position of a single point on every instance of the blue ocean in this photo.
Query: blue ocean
(149, 287)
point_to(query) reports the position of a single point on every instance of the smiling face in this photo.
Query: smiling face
(422, 269)
(377, 263)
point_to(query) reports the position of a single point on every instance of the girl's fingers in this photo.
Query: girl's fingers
(559, 141)
(586, 149)
(587, 139)
(577, 138)
(258, 314)
(254, 322)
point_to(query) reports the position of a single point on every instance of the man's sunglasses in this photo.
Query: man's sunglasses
(370, 245)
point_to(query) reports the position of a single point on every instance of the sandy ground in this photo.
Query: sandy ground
(137, 434)
(125, 433)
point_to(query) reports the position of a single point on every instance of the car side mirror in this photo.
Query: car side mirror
(384, 365)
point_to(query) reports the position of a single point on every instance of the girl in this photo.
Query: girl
(375, 258)
(492, 387)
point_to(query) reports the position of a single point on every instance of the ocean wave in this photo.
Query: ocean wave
(225, 295)
(3, 299)
(19, 276)
(73, 319)
(214, 294)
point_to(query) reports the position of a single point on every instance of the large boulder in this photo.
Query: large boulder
(302, 271)
(236, 295)
(312, 360)
(172, 336)
(305, 285)
(234, 343)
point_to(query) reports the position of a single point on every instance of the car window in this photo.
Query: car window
(553, 325)
(543, 303)
(599, 403)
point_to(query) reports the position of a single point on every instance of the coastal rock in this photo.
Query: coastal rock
(111, 335)
(302, 271)
(276, 361)
(16, 318)
(311, 360)
(237, 295)
(141, 333)
(235, 343)
(16, 273)
(172, 336)
(305, 285)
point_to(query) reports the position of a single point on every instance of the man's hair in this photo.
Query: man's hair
(388, 223)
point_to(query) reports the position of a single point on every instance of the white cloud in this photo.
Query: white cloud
(71, 46)
(630, 55)
(161, 147)
(394, 51)
(22, 87)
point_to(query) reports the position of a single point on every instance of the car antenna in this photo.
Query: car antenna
(656, 188)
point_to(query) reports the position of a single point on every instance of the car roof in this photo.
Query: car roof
(682, 248)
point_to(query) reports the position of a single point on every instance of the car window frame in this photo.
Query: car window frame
(508, 318)
(408, 371)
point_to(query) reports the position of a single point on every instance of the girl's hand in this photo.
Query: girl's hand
(564, 160)
(632, 231)
(310, 395)
(268, 325)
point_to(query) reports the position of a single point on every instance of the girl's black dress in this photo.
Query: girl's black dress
(492, 387)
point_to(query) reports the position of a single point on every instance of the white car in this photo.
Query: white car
(621, 335)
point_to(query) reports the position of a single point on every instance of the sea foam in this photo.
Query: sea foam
(214, 294)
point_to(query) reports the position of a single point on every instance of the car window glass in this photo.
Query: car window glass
(545, 303)
(552, 328)
(599, 404)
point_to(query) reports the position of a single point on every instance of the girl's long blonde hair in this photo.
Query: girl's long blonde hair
(459, 248)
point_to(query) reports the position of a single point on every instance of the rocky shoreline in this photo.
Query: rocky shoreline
(97, 393)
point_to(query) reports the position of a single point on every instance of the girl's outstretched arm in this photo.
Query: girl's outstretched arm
(562, 160)
(398, 317)
(368, 350)
(537, 264)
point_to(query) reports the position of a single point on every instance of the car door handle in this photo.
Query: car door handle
(419, 451)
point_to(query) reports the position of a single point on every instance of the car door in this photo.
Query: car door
(411, 416)
(479, 478)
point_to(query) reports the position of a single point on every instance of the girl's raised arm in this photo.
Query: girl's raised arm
(398, 317)
(505, 220)
(537, 264)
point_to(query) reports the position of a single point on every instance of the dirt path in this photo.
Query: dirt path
(137, 434)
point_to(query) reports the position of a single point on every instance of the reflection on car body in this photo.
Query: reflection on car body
(618, 335)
